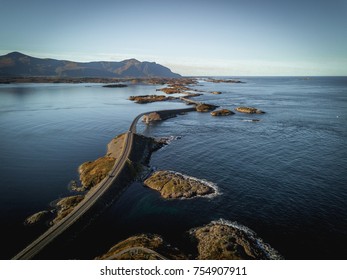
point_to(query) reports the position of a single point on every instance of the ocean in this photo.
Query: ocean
(284, 176)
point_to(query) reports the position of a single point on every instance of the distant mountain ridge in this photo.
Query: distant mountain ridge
(16, 64)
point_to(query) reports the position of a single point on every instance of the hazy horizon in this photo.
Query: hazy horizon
(197, 38)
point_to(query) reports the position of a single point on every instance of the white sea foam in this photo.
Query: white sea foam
(168, 139)
(252, 120)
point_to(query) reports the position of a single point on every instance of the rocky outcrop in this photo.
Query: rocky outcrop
(205, 107)
(155, 117)
(175, 88)
(65, 206)
(93, 172)
(216, 92)
(143, 247)
(142, 99)
(222, 112)
(220, 241)
(38, 217)
(249, 110)
(152, 117)
(176, 185)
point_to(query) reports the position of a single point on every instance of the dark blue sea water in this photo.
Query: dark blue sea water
(284, 176)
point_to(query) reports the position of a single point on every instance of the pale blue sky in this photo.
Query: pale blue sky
(218, 37)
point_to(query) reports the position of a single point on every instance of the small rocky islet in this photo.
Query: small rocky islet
(143, 99)
(173, 185)
(222, 112)
(63, 207)
(203, 107)
(249, 110)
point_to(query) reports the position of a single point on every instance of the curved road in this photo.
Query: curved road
(92, 196)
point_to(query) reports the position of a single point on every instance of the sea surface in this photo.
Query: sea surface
(284, 176)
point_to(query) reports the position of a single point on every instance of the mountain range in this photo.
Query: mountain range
(16, 64)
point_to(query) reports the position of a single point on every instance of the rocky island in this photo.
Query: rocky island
(174, 89)
(143, 99)
(172, 184)
(230, 81)
(222, 112)
(222, 241)
(62, 208)
(205, 107)
(249, 110)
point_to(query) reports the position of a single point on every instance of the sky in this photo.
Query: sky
(218, 37)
